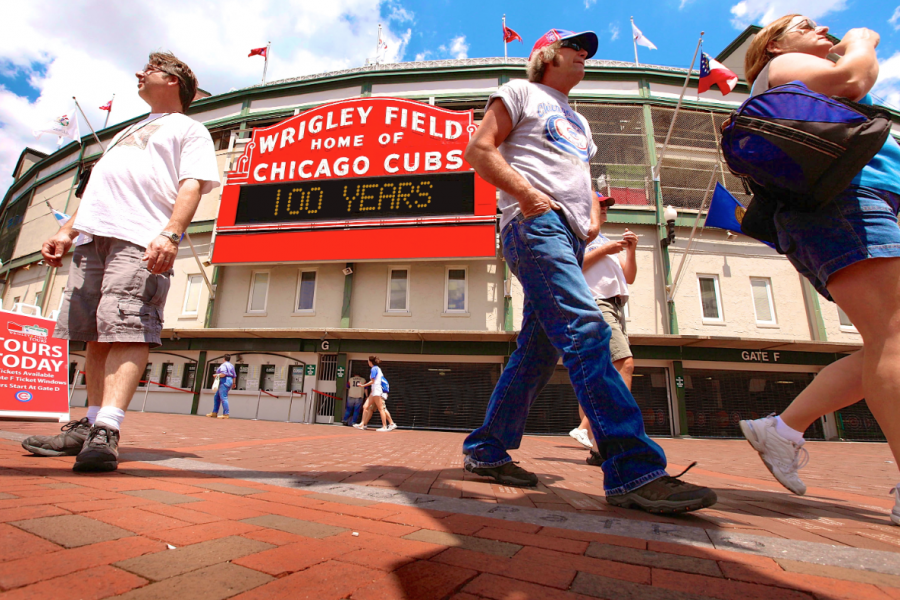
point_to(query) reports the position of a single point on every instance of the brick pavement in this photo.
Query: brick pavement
(231, 521)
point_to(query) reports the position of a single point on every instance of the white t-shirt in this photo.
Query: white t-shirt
(132, 190)
(605, 277)
(355, 391)
(550, 145)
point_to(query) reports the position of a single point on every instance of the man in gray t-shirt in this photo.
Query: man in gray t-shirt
(536, 150)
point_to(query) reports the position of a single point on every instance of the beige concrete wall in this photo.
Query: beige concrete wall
(185, 266)
(735, 262)
(232, 297)
(833, 328)
(38, 223)
(24, 285)
(426, 297)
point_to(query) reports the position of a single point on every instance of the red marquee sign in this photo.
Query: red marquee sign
(363, 179)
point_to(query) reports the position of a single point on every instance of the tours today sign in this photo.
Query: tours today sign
(362, 179)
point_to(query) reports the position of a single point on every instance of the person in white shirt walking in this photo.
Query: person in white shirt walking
(140, 200)
(609, 267)
(377, 398)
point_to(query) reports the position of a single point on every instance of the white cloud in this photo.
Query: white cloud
(613, 32)
(887, 88)
(895, 19)
(763, 12)
(94, 51)
(589, 3)
(457, 48)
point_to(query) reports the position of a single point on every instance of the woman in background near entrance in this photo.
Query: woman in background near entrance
(849, 249)
(609, 268)
(225, 376)
(377, 398)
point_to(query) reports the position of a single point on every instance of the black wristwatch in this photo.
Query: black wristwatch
(172, 237)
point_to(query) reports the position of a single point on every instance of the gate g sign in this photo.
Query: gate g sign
(363, 179)
(33, 368)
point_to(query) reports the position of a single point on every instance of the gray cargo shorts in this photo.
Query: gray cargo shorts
(614, 315)
(111, 296)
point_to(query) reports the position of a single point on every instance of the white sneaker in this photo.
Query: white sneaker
(383, 429)
(392, 426)
(895, 514)
(782, 457)
(581, 436)
(358, 426)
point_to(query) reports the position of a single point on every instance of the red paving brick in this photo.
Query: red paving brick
(841, 507)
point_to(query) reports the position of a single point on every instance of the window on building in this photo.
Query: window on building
(211, 373)
(398, 289)
(761, 289)
(192, 295)
(188, 376)
(146, 377)
(259, 291)
(38, 298)
(267, 381)
(243, 371)
(456, 297)
(710, 298)
(165, 375)
(846, 323)
(16, 300)
(306, 291)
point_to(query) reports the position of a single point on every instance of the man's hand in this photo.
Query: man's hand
(631, 239)
(56, 247)
(612, 247)
(536, 203)
(160, 255)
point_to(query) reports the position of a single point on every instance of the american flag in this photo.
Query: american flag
(712, 72)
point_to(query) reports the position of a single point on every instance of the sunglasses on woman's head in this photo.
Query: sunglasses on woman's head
(575, 45)
(806, 24)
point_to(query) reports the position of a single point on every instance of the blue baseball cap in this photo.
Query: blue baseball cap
(555, 35)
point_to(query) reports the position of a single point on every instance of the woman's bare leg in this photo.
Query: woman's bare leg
(835, 387)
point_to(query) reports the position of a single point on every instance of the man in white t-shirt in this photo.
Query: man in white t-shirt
(140, 200)
(536, 149)
(609, 267)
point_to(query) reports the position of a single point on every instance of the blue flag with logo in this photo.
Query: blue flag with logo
(725, 212)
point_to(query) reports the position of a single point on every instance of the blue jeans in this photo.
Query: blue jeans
(560, 318)
(225, 384)
(353, 409)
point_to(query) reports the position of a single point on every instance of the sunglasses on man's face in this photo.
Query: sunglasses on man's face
(575, 45)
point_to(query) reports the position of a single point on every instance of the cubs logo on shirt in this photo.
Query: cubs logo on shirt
(568, 135)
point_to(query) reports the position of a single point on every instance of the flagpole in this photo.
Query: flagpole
(690, 243)
(266, 64)
(504, 39)
(634, 41)
(88, 123)
(109, 112)
(687, 79)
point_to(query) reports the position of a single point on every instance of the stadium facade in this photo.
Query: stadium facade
(737, 336)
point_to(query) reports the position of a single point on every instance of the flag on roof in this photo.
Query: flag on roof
(258, 52)
(725, 212)
(63, 126)
(712, 72)
(107, 107)
(639, 38)
(510, 36)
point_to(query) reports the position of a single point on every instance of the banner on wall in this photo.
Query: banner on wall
(362, 179)
(33, 368)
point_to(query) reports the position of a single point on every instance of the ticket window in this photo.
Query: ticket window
(190, 374)
(211, 374)
(168, 369)
(268, 378)
(146, 376)
(243, 371)
(296, 379)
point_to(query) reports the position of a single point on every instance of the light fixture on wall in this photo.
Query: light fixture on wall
(730, 235)
(347, 271)
(669, 215)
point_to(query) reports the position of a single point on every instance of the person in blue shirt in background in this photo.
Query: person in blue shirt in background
(379, 394)
(225, 375)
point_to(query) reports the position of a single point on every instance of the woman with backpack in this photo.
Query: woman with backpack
(377, 397)
(849, 249)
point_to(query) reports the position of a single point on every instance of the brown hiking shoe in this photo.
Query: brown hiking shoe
(100, 452)
(67, 443)
(666, 495)
(506, 474)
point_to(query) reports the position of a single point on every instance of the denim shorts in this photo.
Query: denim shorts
(860, 223)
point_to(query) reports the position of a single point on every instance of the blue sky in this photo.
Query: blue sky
(94, 52)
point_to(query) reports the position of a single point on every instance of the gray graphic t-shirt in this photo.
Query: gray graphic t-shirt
(550, 145)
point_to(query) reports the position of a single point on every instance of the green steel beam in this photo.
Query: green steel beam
(210, 306)
(680, 405)
(198, 381)
(508, 317)
(348, 293)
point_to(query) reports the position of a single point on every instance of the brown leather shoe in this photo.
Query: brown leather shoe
(666, 495)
